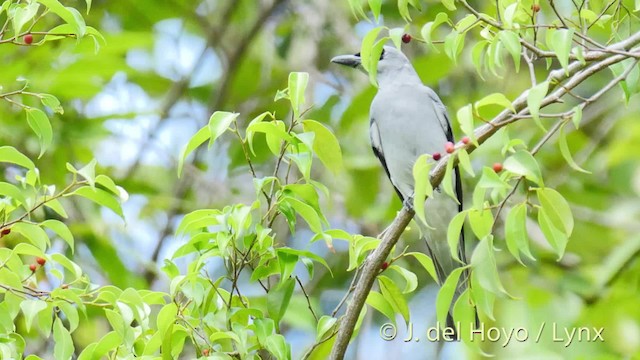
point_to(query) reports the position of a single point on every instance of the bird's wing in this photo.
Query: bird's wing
(376, 145)
(443, 117)
(441, 113)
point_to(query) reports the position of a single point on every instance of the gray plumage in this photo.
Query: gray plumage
(408, 119)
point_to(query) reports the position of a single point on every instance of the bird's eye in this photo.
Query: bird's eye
(382, 54)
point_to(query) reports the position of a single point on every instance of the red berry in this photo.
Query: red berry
(33, 267)
(28, 39)
(406, 38)
(449, 147)
(535, 8)
(436, 156)
(40, 261)
(4, 232)
(384, 266)
(205, 352)
(466, 140)
(497, 167)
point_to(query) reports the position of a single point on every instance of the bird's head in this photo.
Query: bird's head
(392, 61)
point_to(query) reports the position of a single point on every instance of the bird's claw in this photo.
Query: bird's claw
(408, 203)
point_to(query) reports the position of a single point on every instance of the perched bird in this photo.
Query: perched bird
(408, 119)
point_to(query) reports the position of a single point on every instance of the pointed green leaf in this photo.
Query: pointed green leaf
(325, 145)
(423, 188)
(523, 163)
(566, 153)
(557, 209)
(453, 234)
(297, 86)
(426, 263)
(9, 154)
(445, 295)
(516, 232)
(534, 100)
(378, 302)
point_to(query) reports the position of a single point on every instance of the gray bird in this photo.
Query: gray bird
(408, 119)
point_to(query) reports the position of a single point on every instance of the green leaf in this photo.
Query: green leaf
(33, 233)
(325, 324)
(356, 9)
(453, 233)
(396, 36)
(39, 123)
(88, 172)
(30, 309)
(516, 232)
(278, 300)
(278, 347)
(12, 191)
(393, 295)
(411, 280)
(447, 181)
(566, 153)
(73, 268)
(485, 268)
(28, 249)
(428, 28)
(63, 348)
(561, 44)
(219, 123)
(426, 263)
(453, 45)
(477, 55)
(22, 15)
(511, 42)
(9, 154)
(465, 119)
(465, 162)
(495, 99)
(403, 9)
(297, 86)
(70, 15)
(556, 237)
(423, 188)
(370, 53)
(523, 163)
(100, 197)
(577, 116)
(375, 6)
(445, 295)
(325, 145)
(55, 205)
(62, 230)
(484, 300)
(307, 212)
(490, 180)
(481, 222)
(196, 140)
(534, 100)
(287, 262)
(378, 302)
(449, 4)
(52, 102)
(557, 209)
(166, 317)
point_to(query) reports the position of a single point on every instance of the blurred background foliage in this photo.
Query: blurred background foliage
(166, 66)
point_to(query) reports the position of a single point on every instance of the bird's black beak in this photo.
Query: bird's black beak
(348, 60)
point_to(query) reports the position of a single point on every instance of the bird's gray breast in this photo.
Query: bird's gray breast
(406, 123)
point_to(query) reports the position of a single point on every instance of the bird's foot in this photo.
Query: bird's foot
(408, 202)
